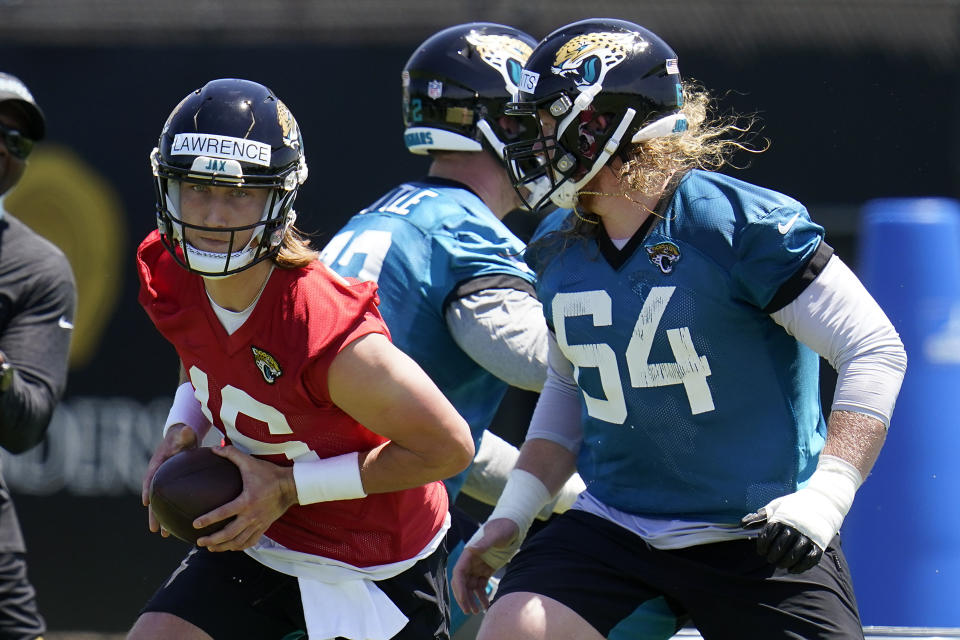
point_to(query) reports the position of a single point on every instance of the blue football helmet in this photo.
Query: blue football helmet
(229, 133)
(608, 84)
(456, 86)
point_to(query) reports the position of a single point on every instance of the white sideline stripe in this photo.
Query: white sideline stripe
(876, 633)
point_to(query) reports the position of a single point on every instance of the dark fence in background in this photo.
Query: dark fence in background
(844, 127)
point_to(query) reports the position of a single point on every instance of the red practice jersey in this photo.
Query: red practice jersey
(265, 388)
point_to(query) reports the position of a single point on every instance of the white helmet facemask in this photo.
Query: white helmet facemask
(565, 194)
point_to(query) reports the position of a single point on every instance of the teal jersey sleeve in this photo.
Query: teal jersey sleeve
(470, 246)
(760, 236)
(771, 250)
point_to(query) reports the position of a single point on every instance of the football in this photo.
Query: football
(190, 484)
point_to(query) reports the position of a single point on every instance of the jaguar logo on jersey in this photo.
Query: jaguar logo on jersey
(588, 58)
(504, 53)
(664, 255)
(291, 134)
(267, 364)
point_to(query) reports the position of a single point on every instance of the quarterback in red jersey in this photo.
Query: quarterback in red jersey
(342, 441)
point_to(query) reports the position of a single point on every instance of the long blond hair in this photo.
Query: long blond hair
(709, 143)
(295, 250)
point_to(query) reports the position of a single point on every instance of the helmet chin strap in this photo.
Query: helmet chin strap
(565, 195)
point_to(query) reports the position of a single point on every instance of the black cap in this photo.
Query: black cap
(13, 90)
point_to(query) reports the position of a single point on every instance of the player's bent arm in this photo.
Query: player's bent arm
(836, 317)
(502, 330)
(36, 342)
(388, 393)
(839, 319)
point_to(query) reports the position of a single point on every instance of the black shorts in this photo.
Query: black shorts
(230, 595)
(609, 576)
(19, 618)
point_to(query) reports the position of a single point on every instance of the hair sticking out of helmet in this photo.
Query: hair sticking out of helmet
(229, 133)
(590, 90)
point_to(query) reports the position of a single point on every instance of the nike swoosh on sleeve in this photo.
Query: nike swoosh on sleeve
(63, 323)
(783, 228)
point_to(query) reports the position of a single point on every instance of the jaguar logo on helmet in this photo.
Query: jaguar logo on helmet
(664, 255)
(267, 365)
(504, 53)
(587, 58)
(291, 133)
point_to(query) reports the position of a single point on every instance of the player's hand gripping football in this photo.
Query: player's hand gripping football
(178, 438)
(268, 491)
(490, 547)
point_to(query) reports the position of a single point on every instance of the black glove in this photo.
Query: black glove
(781, 544)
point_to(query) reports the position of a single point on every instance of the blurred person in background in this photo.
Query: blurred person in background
(341, 440)
(37, 304)
(688, 311)
(454, 289)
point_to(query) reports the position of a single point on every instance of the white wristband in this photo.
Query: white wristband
(818, 509)
(187, 410)
(336, 478)
(522, 499)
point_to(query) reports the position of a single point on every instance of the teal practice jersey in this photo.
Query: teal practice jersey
(427, 244)
(695, 404)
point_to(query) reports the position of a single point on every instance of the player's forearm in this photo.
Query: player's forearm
(388, 393)
(856, 438)
(552, 463)
(391, 467)
(26, 409)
